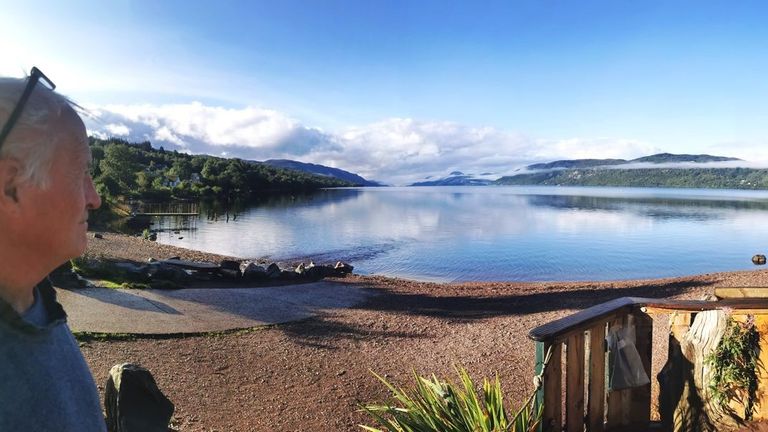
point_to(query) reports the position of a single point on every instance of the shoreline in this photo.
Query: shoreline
(126, 247)
(313, 374)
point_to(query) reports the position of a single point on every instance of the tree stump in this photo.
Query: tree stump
(685, 400)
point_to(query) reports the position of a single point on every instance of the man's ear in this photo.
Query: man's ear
(10, 170)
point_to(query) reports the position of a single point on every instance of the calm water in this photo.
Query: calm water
(497, 233)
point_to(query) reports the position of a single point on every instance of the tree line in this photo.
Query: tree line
(138, 171)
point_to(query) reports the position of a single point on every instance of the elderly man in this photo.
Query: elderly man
(45, 194)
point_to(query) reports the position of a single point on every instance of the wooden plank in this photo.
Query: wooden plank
(640, 397)
(615, 414)
(761, 413)
(596, 393)
(552, 416)
(741, 292)
(574, 379)
(541, 349)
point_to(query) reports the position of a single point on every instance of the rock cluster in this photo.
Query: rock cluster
(174, 273)
(256, 272)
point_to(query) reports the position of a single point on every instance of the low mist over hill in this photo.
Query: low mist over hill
(682, 170)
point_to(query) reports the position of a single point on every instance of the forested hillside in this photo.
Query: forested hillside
(138, 171)
(718, 178)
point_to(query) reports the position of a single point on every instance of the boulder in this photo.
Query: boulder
(300, 269)
(152, 237)
(342, 268)
(134, 271)
(230, 265)
(133, 402)
(758, 259)
(160, 271)
(273, 271)
(288, 275)
(253, 272)
(230, 274)
(97, 236)
(314, 272)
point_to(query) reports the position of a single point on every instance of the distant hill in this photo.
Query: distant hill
(657, 158)
(714, 178)
(321, 170)
(675, 158)
(575, 163)
(609, 172)
(455, 180)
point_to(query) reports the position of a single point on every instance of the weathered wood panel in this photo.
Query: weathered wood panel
(616, 416)
(574, 389)
(550, 394)
(596, 390)
(741, 292)
(640, 397)
(552, 417)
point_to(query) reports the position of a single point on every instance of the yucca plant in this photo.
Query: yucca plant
(440, 406)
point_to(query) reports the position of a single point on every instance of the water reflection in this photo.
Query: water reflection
(493, 233)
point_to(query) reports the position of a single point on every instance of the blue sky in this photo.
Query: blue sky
(398, 90)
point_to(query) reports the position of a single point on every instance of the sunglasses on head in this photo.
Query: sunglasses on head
(34, 77)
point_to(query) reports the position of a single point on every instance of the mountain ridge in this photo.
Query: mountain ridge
(322, 170)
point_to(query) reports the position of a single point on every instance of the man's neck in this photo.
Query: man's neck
(18, 276)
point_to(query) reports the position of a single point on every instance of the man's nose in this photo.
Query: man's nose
(93, 200)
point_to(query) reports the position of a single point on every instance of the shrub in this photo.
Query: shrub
(736, 361)
(437, 405)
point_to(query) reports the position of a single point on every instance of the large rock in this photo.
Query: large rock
(300, 269)
(230, 265)
(133, 270)
(758, 259)
(160, 271)
(253, 272)
(230, 274)
(133, 402)
(343, 268)
(273, 271)
(314, 272)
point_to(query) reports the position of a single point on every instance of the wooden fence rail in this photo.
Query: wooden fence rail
(582, 401)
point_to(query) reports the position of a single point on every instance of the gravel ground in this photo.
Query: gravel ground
(312, 375)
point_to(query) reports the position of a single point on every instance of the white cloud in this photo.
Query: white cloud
(117, 129)
(396, 150)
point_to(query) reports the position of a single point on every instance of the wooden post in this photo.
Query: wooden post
(574, 388)
(596, 393)
(640, 397)
(550, 394)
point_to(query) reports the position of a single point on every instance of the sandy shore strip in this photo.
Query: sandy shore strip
(313, 374)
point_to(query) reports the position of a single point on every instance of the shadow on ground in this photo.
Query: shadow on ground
(320, 331)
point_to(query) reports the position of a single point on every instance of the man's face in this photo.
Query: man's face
(58, 214)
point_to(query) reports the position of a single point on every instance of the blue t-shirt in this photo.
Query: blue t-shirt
(45, 384)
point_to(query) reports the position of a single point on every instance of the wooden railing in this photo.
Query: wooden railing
(585, 398)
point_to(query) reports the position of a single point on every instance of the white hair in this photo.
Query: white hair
(32, 140)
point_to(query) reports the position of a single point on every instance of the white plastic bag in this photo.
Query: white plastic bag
(625, 367)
